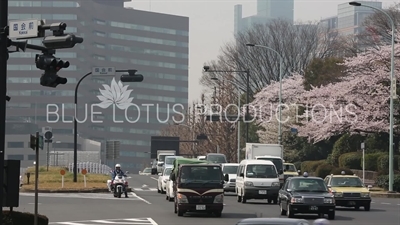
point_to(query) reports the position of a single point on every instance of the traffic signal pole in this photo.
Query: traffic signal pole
(3, 92)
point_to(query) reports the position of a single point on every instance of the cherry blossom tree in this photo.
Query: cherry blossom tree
(359, 103)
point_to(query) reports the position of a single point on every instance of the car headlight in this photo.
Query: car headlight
(275, 184)
(297, 200)
(248, 183)
(182, 198)
(365, 195)
(338, 194)
(219, 198)
(329, 200)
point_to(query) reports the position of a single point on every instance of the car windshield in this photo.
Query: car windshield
(290, 168)
(308, 185)
(346, 182)
(276, 161)
(200, 174)
(147, 170)
(161, 158)
(167, 171)
(230, 169)
(216, 158)
(261, 171)
(170, 160)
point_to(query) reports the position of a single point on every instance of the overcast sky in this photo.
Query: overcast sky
(211, 25)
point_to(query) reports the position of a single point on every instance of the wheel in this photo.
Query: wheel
(244, 200)
(119, 194)
(218, 214)
(331, 215)
(367, 207)
(283, 212)
(269, 201)
(166, 197)
(158, 189)
(175, 211)
(289, 213)
(171, 199)
(179, 212)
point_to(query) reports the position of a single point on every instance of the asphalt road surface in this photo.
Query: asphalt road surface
(145, 206)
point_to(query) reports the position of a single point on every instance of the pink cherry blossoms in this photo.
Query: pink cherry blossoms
(358, 103)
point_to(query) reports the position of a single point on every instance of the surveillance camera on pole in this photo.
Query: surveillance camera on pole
(60, 42)
(132, 77)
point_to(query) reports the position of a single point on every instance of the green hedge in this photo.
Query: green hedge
(324, 170)
(383, 163)
(351, 160)
(311, 166)
(371, 161)
(297, 165)
(338, 171)
(20, 218)
(383, 182)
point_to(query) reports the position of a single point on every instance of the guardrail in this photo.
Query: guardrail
(95, 168)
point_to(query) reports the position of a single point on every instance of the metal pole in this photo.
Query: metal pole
(238, 129)
(76, 129)
(3, 90)
(280, 100)
(363, 167)
(247, 103)
(48, 154)
(391, 119)
(36, 179)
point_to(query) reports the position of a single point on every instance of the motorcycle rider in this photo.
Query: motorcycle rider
(118, 172)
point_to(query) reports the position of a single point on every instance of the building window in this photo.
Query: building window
(18, 144)
(16, 157)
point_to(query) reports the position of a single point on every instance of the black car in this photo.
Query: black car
(306, 195)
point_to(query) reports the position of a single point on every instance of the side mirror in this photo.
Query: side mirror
(241, 175)
(159, 174)
(226, 177)
(140, 172)
(280, 172)
(156, 159)
(369, 186)
(329, 186)
(151, 163)
(288, 190)
(284, 170)
(299, 172)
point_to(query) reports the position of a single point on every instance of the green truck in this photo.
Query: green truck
(198, 187)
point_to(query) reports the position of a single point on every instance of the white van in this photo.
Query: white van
(257, 179)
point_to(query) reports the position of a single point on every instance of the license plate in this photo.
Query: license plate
(262, 192)
(352, 203)
(200, 207)
(313, 208)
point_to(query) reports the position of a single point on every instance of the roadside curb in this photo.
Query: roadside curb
(385, 195)
(94, 190)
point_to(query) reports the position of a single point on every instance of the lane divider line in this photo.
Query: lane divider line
(140, 198)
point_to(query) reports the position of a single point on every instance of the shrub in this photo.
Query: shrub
(324, 170)
(20, 218)
(383, 182)
(311, 166)
(371, 161)
(297, 165)
(338, 171)
(351, 160)
(346, 143)
(383, 163)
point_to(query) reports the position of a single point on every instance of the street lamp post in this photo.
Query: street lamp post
(132, 77)
(280, 87)
(207, 70)
(392, 94)
(238, 123)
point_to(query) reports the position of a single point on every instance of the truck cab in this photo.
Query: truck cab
(198, 187)
(278, 162)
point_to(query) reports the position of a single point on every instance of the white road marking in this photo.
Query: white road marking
(81, 195)
(154, 178)
(144, 200)
(146, 189)
(132, 221)
(384, 203)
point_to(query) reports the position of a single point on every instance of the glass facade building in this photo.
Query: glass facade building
(155, 44)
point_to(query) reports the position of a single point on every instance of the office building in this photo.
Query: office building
(155, 44)
(266, 10)
(349, 19)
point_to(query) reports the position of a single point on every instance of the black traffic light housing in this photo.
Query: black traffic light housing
(132, 77)
(51, 65)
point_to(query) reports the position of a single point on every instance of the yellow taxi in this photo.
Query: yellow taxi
(349, 191)
(289, 170)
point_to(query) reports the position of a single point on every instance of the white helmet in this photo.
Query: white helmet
(117, 165)
(321, 221)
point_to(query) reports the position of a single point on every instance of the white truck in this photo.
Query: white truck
(271, 152)
(161, 154)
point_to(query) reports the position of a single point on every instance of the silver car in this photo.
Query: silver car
(272, 221)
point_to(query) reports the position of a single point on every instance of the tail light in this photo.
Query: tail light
(126, 182)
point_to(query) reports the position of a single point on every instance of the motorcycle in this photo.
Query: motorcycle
(118, 186)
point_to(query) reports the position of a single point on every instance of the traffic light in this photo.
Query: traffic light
(51, 65)
(132, 77)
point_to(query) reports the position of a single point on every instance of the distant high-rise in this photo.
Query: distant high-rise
(266, 10)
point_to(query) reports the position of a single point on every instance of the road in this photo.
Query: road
(146, 206)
